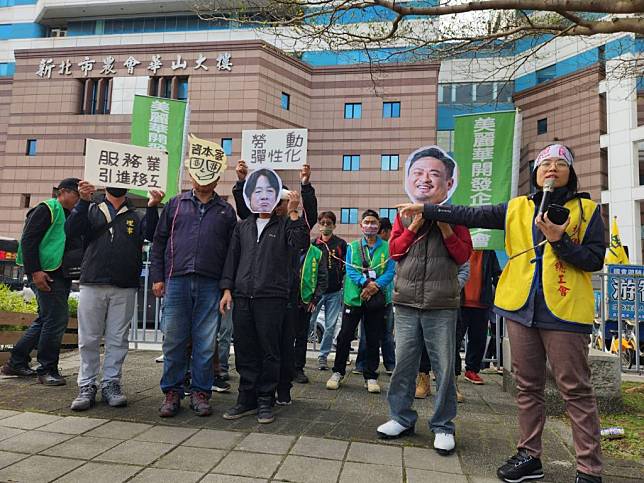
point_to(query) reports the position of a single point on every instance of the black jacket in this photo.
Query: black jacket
(199, 241)
(310, 216)
(587, 256)
(256, 269)
(335, 267)
(113, 256)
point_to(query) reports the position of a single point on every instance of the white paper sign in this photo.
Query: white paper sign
(125, 165)
(274, 148)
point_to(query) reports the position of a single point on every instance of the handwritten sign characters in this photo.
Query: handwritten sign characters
(275, 148)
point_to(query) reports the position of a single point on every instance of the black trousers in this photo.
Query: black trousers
(474, 322)
(293, 344)
(374, 324)
(258, 325)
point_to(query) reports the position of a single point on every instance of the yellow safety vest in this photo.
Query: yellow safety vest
(567, 290)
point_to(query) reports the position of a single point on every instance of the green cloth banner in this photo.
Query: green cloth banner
(483, 149)
(159, 123)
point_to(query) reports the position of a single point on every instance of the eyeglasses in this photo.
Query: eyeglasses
(557, 164)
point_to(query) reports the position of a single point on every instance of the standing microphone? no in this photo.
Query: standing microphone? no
(548, 188)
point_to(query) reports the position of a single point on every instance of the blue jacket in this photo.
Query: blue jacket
(192, 238)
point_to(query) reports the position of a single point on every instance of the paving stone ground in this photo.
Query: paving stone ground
(325, 436)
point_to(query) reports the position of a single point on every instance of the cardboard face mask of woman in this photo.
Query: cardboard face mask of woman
(430, 175)
(262, 191)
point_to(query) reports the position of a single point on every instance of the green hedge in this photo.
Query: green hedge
(11, 301)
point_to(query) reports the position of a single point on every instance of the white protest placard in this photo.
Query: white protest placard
(125, 165)
(274, 148)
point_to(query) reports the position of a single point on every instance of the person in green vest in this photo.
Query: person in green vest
(42, 252)
(367, 294)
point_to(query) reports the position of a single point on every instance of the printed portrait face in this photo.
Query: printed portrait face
(261, 191)
(430, 175)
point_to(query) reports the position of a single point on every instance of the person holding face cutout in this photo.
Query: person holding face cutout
(256, 275)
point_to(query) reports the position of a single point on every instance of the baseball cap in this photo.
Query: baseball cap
(68, 184)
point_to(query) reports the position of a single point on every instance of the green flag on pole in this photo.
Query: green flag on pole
(160, 123)
(483, 149)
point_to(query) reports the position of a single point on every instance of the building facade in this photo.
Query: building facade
(572, 92)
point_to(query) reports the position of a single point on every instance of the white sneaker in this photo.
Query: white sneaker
(393, 429)
(444, 443)
(159, 359)
(334, 381)
(372, 386)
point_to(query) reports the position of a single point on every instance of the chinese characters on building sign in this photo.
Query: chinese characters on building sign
(631, 286)
(125, 165)
(275, 148)
(206, 160)
(223, 62)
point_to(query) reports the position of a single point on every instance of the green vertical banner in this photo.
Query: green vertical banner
(160, 123)
(483, 149)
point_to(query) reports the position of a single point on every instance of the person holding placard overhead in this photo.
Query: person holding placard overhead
(187, 261)
(114, 233)
(257, 277)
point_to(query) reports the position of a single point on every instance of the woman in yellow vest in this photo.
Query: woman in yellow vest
(545, 294)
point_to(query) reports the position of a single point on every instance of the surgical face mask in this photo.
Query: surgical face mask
(370, 230)
(116, 192)
(326, 230)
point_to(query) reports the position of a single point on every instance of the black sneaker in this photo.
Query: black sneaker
(224, 376)
(51, 379)
(239, 411)
(521, 467)
(300, 377)
(220, 385)
(586, 478)
(283, 397)
(264, 410)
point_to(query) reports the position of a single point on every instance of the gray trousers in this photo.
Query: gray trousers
(103, 311)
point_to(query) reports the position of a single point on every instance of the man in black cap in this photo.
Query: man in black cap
(46, 254)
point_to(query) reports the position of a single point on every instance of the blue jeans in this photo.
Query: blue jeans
(190, 312)
(388, 346)
(46, 332)
(224, 337)
(332, 303)
(437, 328)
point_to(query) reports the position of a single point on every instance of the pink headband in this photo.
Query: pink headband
(554, 151)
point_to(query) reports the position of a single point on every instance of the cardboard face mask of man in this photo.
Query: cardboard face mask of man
(430, 175)
(206, 162)
(262, 191)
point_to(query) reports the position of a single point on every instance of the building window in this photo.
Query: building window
(389, 162)
(97, 96)
(388, 213)
(349, 216)
(227, 146)
(55, 32)
(31, 147)
(547, 73)
(464, 93)
(25, 200)
(286, 101)
(542, 126)
(353, 110)
(351, 162)
(170, 87)
(391, 109)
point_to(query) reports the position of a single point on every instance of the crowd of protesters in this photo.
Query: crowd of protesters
(412, 291)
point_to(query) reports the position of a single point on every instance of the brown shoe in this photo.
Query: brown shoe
(423, 386)
(171, 404)
(200, 404)
(8, 370)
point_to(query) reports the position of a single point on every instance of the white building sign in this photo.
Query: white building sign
(274, 148)
(125, 165)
